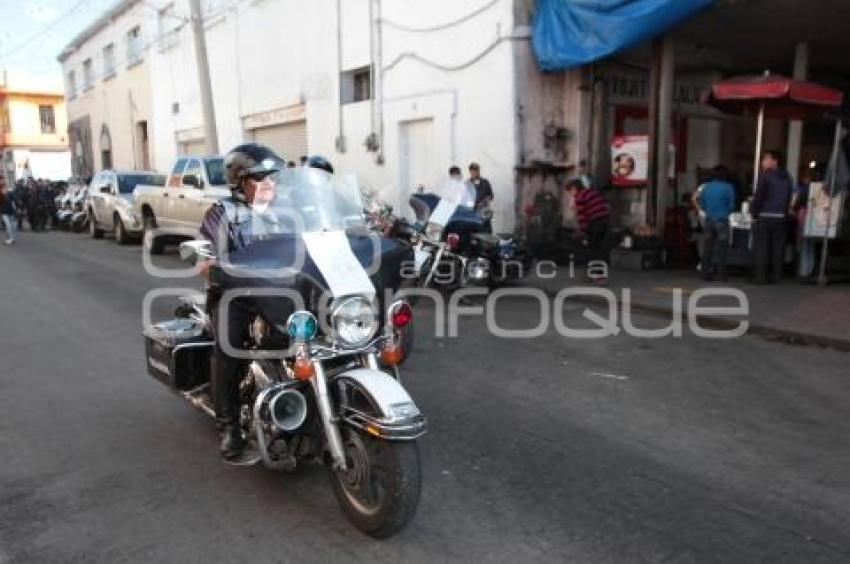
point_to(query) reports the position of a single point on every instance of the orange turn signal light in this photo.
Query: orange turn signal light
(303, 369)
(392, 354)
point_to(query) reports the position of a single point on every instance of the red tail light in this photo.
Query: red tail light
(401, 315)
(453, 241)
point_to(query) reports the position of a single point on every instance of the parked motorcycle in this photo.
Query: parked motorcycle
(79, 220)
(321, 383)
(68, 205)
(455, 246)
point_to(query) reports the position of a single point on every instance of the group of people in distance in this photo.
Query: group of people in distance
(773, 202)
(32, 199)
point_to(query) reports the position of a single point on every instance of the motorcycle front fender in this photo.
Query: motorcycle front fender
(378, 404)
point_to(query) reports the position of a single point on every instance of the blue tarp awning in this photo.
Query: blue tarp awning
(569, 33)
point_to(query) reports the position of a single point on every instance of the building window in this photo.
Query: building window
(109, 61)
(134, 46)
(48, 119)
(105, 148)
(168, 26)
(72, 85)
(355, 85)
(88, 74)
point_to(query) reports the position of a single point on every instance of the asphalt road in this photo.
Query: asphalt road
(540, 450)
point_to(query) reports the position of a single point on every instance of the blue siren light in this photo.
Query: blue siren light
(302, 326)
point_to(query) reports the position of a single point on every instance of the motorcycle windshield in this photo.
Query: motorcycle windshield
(307, 200)
(305, 222)
(447, 201)
(452, 190)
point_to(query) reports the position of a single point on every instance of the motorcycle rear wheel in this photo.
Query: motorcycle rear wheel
(379, 492)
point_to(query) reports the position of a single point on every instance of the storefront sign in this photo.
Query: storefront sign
(277, 116)
(630, 160)
(632, 88)
(191, 134)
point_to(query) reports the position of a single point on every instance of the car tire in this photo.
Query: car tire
(119, 232)
(94, 230)
(153, 245)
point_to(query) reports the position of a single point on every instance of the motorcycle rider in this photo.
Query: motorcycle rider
(250, 170)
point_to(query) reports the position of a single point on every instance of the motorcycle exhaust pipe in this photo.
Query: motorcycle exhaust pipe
(287, 409)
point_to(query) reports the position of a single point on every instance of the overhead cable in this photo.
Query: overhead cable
(443, 26)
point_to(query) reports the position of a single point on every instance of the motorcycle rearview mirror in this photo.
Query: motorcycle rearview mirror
(194, 251)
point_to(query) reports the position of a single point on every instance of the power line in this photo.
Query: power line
(459, 66)
(159, 38)
(443, 26)
(43, 30)
(163, 10)
(124, 61)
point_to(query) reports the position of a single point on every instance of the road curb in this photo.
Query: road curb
(789, 336)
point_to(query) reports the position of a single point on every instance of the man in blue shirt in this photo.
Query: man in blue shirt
(716, 199)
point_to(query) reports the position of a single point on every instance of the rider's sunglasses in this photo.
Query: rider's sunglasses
(258, 176)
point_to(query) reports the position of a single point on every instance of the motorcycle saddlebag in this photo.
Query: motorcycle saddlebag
(177, 353)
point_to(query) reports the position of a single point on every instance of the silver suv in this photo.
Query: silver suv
(110, 203)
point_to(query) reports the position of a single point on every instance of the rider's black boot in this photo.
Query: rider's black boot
(232, 443)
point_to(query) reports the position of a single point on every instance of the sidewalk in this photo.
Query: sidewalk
(789, 311)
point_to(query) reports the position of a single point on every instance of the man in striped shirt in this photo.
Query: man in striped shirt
(593, 215)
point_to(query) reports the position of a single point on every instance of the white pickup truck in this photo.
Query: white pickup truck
(175, 211)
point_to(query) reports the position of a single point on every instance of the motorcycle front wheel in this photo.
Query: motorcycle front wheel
(379, 491)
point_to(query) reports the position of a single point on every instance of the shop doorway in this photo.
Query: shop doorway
(144, 150)
(105, 148)
(288, 140)
(193, 147)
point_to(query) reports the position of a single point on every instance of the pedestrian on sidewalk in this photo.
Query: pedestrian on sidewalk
(467, 191)
(799, 210)
(716, 199)
(483, 192)
(770, 212)
(594, 214)
(8, 211)
(20, 196)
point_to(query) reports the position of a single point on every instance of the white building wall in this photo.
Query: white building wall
(118, 100)
(277, 54)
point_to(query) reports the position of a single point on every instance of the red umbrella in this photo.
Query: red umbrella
(773, 95)
(782, 97)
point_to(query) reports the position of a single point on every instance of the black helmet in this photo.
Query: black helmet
(250, 159)
(320, 162)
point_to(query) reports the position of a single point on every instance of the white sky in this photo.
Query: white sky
(33, 32)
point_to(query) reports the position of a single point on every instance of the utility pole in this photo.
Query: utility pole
(795, 127)
(660, 115)
(667, 67)
(210, 134)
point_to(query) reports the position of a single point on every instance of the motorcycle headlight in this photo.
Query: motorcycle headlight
(433, 232)
(355, 321)
(478, 269)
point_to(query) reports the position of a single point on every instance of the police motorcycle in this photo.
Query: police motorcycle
(455, 246)
(65, 208)
(79, 220)
(322, 383)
